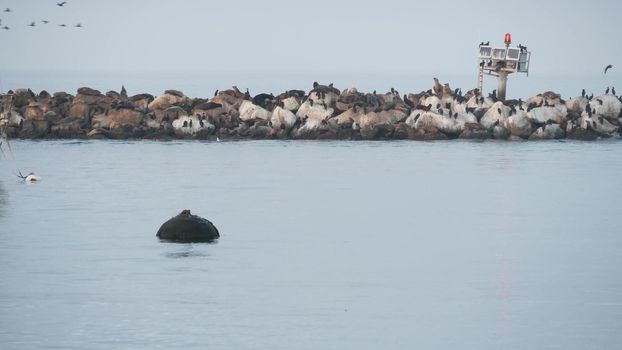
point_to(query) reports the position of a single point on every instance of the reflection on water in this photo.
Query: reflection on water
(4, 198)
(187, 250)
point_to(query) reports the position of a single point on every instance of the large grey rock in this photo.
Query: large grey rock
(187, 228)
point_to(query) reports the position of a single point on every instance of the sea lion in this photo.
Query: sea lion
(187, 228)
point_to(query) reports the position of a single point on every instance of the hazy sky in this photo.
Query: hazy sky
(423, 38)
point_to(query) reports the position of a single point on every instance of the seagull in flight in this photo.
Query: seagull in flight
(32, 24)
(45, 21)
(79, 25)
(61, 4)
(607, 68)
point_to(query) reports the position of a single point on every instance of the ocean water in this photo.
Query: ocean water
(324, 245)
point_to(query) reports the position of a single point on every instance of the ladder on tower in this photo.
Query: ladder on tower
(480, 80)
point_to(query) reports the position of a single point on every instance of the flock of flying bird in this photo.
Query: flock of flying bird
(34, 24)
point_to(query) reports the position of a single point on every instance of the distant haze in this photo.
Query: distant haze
(568, 39)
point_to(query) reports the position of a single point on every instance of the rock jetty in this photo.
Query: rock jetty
(325, 112)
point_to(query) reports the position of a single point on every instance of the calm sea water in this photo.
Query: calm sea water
(325, 245)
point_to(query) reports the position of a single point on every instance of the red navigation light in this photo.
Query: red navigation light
(508, 39)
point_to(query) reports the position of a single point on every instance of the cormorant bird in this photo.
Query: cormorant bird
(607, 68)
(61, 4)
(216, 93)
(583, 93)
(32, 24)
(185, 123)
(607, 91)
(588, 109)
(613, 91)
(190, 123)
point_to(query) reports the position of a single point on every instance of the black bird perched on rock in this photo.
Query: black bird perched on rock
(216, 93)
(607, 91)
(613, 91)
(583, 93)
(32, 24)
(499, 110)
(185, 123)
(607, 68)
(599, 101)
(588, 109)
(190, 123)
(61, 4)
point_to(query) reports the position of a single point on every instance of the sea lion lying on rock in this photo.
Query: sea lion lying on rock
(188, 228)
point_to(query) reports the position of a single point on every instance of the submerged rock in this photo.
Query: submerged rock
(188, 228)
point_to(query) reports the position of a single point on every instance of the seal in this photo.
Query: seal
(188, 228)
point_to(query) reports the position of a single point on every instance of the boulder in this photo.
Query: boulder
(316, 111)
(497, 114)
(123, 116)
(519, 124)
(607, 106)
(249, 111)
(191, 125)
(290, 103)
(428, 120)
(546, 114)
(475, 131)
(170, 98)
(281, 116)
(188, 228)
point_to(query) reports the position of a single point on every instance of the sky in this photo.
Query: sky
(299, 39)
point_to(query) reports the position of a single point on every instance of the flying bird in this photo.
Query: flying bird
(45, 22)
(61, 4)
(6, 28)
(62, 25)
(607, 68)
(7, 10)
(32, 24)
(79, 25)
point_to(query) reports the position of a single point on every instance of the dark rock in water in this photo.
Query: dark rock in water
(186, 227)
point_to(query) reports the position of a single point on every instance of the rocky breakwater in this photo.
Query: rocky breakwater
(325, 112)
